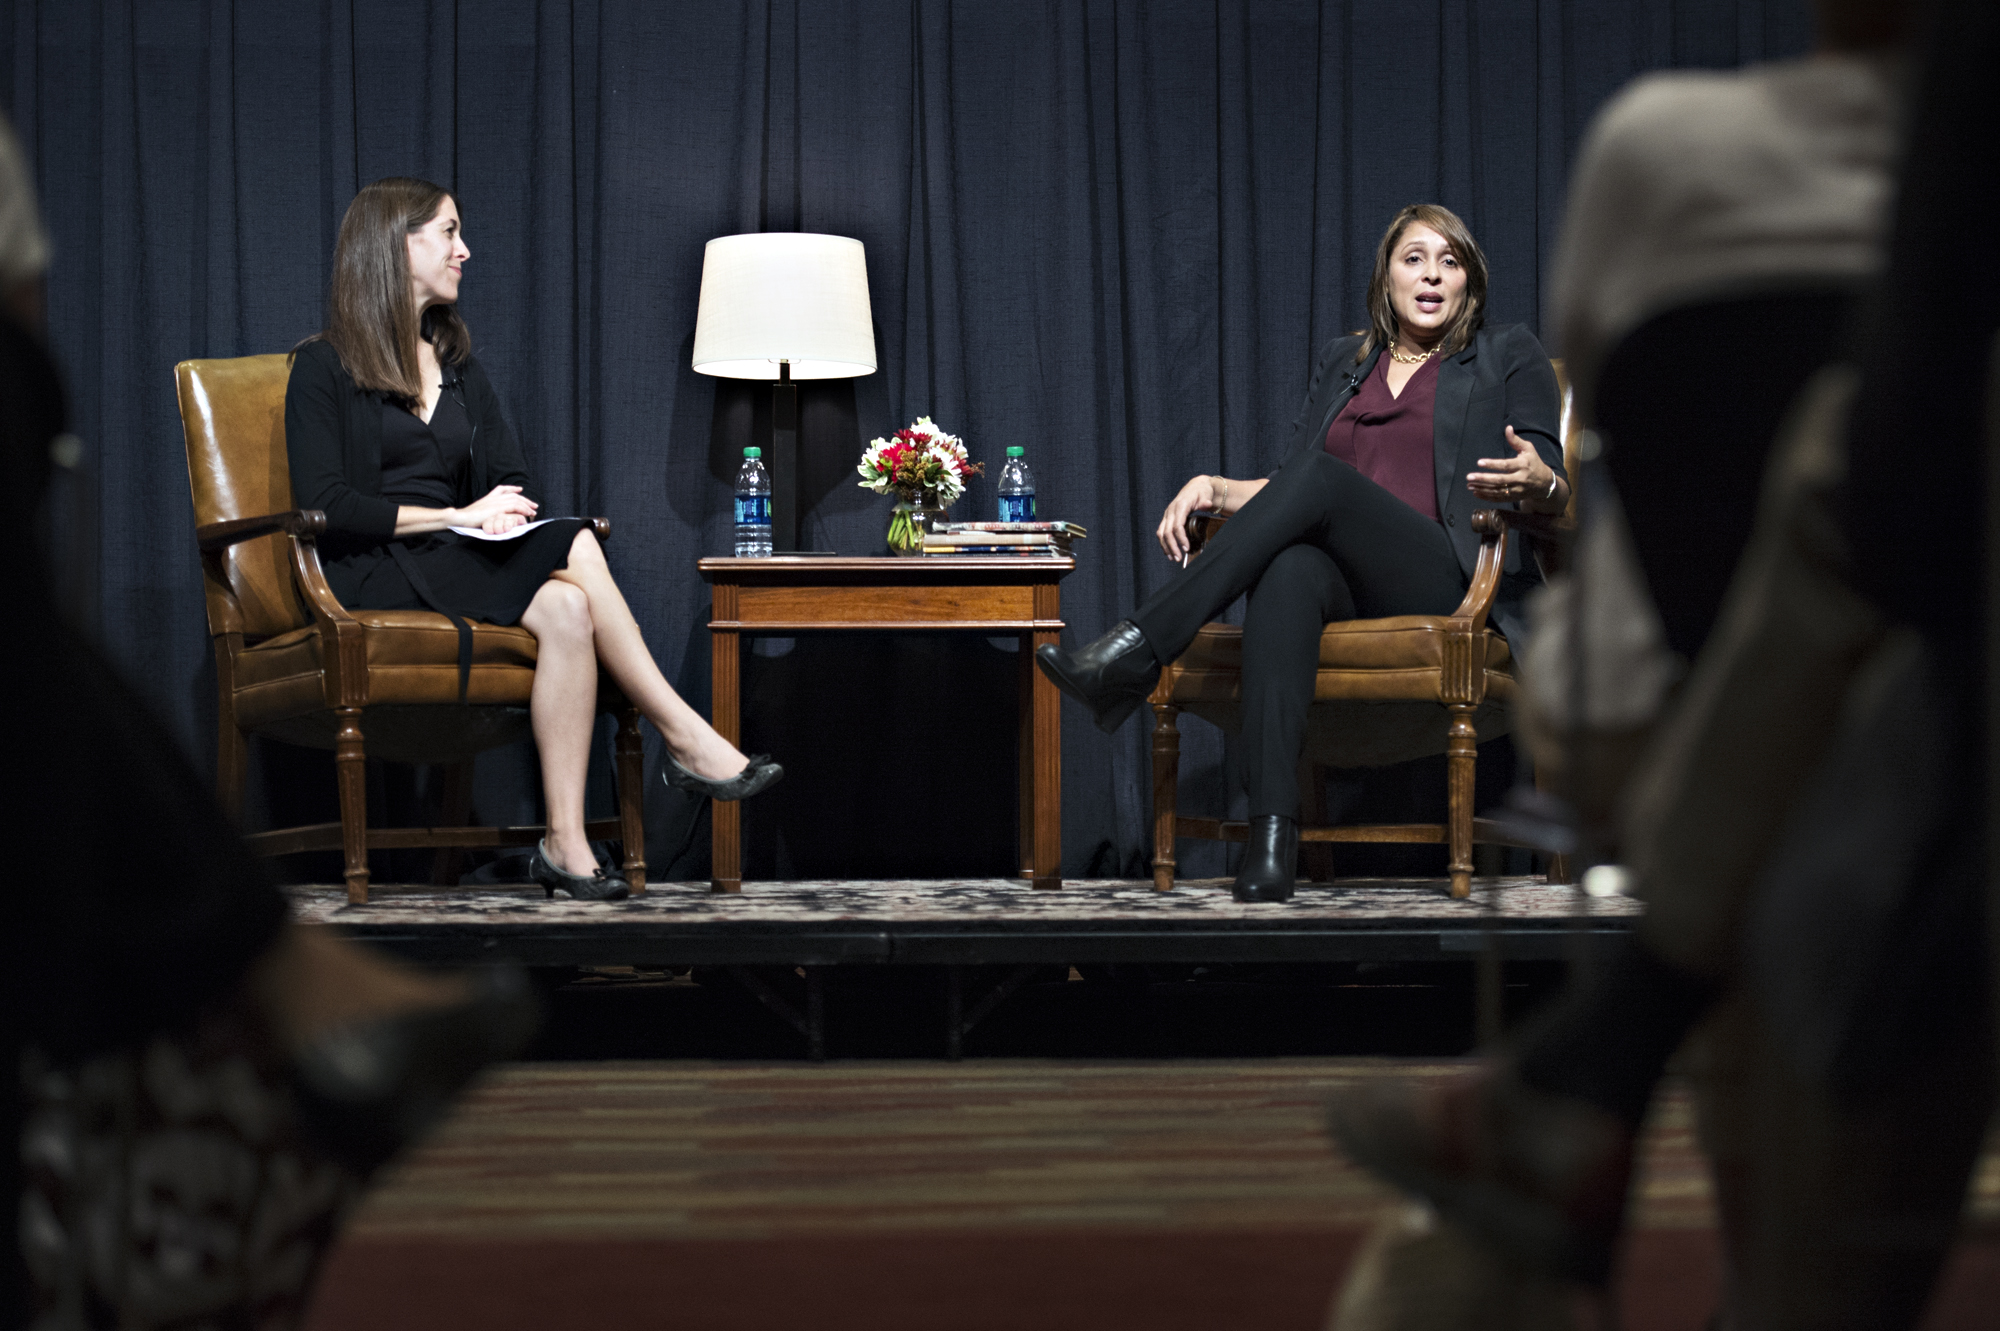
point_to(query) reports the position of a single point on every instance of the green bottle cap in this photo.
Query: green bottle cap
(1015, 450)
(753, 452)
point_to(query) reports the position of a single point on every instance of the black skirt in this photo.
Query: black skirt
(490, 581)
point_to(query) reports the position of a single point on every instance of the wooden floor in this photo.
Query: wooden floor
(992, 1194)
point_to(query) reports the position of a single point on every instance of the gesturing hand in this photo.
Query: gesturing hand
(1523, 476)
(500, 510)
(1193, 498)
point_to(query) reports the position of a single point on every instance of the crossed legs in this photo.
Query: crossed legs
(1320, 543)
(580, 619)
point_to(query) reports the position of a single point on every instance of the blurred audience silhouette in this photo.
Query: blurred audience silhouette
(1806, 824)
(197, 1083)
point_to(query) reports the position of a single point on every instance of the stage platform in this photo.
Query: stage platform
(961, 926)
(976, 922)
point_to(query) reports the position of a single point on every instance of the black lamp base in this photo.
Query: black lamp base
(785, 463)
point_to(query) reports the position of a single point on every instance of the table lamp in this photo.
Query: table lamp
(784, 306)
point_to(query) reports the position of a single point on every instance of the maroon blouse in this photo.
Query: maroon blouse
(1388, 438)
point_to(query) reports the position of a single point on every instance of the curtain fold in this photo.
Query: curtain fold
(1114, 233)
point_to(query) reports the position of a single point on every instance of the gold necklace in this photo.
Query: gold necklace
(1401, 359)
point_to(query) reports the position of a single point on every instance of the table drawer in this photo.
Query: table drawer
(945, 607)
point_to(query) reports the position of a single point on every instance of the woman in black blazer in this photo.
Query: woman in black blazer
(394, 431)
(1406, 427)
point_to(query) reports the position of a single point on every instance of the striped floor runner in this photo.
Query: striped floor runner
(919, 1195)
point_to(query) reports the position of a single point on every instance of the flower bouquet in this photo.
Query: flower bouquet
(925, 469)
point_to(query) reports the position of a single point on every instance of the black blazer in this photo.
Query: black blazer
(333, 440)
(1502, 378)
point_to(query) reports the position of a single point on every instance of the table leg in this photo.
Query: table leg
(1024, 754)
(1041, 763)
(726, 820)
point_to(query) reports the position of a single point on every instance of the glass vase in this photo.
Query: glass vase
(913, 519)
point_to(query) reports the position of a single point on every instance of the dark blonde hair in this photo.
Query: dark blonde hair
(1382, 313)
(372, 321)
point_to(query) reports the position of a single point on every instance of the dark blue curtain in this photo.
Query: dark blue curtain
(1113, 233)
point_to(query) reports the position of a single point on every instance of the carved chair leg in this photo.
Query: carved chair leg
(232, 760)
(631, 764)
(1461, 760)
(455, 810)
(350, 769)
(1166, 791)
(1315, 857)
(232, 752)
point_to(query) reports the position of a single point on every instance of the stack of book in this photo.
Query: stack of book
(1043, 539)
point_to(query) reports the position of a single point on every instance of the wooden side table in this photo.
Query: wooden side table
(990, 595)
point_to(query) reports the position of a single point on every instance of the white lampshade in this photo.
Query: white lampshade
(784, 296)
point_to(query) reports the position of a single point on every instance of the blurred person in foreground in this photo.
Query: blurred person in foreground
(1808, 831)
(195, 1084)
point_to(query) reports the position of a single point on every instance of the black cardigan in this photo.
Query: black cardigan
(333, 440)
(1502, 378)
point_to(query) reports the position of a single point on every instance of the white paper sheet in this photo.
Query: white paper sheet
(478, 534)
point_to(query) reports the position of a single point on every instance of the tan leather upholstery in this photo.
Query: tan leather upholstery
(412, 660)
(294, 665)
(1381, 660)
(233, 419)
(1384, 693)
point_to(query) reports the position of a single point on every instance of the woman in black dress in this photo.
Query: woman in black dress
(394, 431)
(1407, 426)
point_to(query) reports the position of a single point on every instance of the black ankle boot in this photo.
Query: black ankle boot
(1270, 859)
(1111, 676)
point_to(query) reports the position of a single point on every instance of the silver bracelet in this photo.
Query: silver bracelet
(1554, 481)
(1222, 498)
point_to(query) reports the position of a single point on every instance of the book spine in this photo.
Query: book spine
(1018, 551)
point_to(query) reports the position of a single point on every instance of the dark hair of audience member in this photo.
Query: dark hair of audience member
(1856, 26)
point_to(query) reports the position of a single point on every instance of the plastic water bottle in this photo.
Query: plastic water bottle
(1017, 488)
(753, 507)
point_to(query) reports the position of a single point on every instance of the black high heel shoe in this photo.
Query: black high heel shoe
(1111, 676)
(368, 1090)
(1270, 860)
(604, 885)
(759, 773)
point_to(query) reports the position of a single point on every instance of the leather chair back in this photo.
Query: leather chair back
(233, 416)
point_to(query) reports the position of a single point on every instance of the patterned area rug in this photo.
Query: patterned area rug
(1098, 901)
(890, 1195)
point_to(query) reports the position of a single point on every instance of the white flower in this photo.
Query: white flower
(947, 449)
(873, 475)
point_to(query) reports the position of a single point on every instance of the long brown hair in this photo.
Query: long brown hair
(372, 321)
(1382, 313)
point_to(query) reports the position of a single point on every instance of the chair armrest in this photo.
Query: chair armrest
(1550, 536)
(601, 528)
(1201, 529)
(1492, 525)
(327, 611)
(1544, 526)
(308, 522)
(304, 526)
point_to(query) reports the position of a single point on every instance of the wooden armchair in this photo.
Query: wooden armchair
(1387, 691)
(292, 664)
